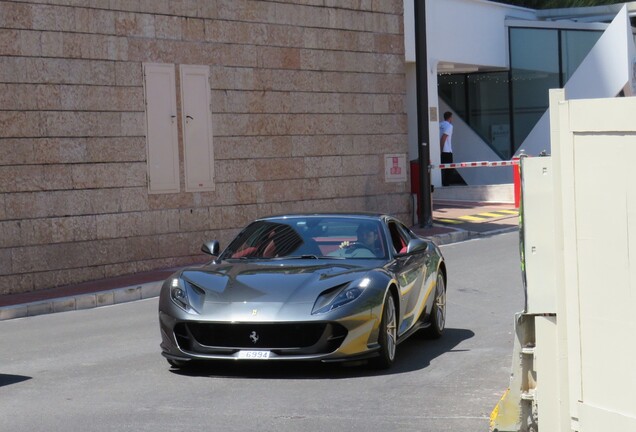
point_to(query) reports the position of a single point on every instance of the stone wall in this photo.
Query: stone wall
(306, 98)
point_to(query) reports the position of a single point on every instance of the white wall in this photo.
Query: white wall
(451, 28)
(595, 266)
(470, 31)
(411, 108)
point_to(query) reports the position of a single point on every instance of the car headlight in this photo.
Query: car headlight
(339, 296)
(178, 294)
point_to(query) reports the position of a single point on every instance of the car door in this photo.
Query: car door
(410, 270)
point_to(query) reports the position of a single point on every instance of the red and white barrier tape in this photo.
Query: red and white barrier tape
(476, 164)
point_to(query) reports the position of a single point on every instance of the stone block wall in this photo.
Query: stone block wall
(306, 98)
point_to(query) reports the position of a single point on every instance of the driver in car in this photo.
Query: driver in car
(366, 245)
(368, 237)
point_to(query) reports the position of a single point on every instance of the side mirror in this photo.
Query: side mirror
(416, 245)
(211, 248)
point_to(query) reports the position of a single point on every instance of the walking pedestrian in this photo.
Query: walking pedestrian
(446, 146)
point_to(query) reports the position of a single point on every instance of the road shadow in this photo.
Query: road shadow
(413, 354)
(6, 380)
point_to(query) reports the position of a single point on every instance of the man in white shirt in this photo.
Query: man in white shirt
(445, 140)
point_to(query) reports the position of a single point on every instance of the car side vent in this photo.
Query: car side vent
(197, 289)
(328, 295)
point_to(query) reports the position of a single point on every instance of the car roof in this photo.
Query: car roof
(356, 215)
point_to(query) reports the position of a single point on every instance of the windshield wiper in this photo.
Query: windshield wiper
(304, 256)
(311, 256)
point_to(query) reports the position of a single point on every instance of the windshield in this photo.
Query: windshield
(310, 237)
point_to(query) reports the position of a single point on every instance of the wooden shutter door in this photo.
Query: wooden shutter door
(161, 128)
(197, 128)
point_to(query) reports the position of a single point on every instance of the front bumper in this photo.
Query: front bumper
(349, 338)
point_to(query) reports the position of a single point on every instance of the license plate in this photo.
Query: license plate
(254, 355)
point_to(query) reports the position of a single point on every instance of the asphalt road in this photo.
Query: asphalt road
(100, 369)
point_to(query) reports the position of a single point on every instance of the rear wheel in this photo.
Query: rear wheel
(388, 334)
(438, 312)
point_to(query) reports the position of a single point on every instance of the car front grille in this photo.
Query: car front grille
(282, 338)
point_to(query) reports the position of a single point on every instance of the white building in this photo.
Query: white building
(492, 66)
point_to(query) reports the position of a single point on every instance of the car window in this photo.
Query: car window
(399, 237)
(315, 236)
(407, 233)
(264, 239)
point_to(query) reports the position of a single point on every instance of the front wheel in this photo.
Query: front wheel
(388, 334)
(438, 312)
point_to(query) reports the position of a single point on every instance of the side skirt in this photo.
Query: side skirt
(418, 326)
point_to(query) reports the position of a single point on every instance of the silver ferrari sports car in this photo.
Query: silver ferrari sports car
(324, 287)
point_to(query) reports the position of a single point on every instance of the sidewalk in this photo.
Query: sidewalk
(453, 221)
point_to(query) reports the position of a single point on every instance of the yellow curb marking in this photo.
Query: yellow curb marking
(480, 217)
(472, 218)
(490, 215)
(449, 221)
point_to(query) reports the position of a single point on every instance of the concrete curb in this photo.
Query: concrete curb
(460, 235)
(82, 301)
(452, 237)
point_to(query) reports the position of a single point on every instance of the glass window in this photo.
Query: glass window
(484, 107)
(452, 88)
(540, 59)
(534, 67)
(489, 113)
(309, 237)
(575, 46)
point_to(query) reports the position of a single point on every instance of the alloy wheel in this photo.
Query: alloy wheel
(440, 303)
(391, 328)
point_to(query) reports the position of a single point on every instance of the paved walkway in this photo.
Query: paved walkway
(453, 221)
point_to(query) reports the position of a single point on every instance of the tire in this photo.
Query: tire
(388, 335)
(438, 312)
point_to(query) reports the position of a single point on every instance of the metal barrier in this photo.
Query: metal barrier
(475, 164)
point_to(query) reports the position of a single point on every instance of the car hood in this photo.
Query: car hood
(288, 281)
